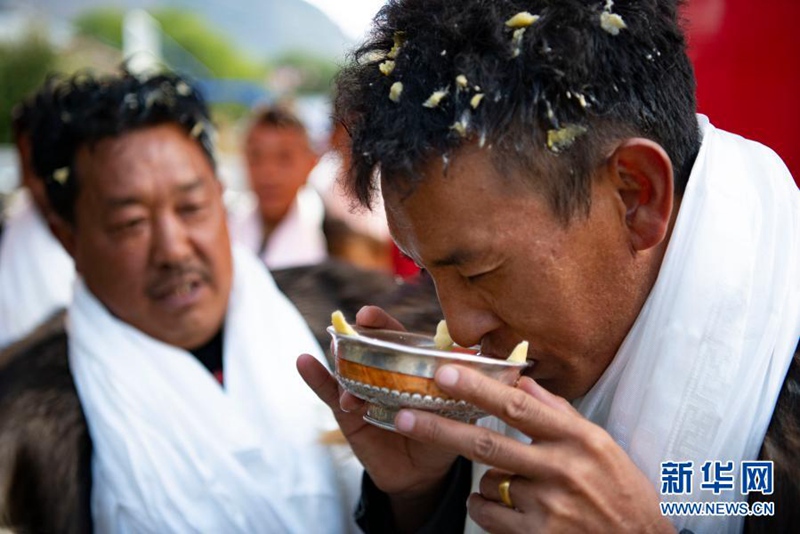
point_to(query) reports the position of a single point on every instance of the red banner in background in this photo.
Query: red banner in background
(746, 55)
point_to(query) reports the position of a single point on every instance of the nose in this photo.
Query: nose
(265, 170)
(468, 316)
(171, 244)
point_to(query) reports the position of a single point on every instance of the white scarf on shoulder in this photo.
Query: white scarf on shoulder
(698, 375)
(297, 240)
(36, 273)
(176, 452)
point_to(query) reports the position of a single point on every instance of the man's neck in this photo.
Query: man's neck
(210, 353)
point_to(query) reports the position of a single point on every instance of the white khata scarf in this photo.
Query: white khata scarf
(176, 452)
(297, 240)
(698, 375)
(36, 273)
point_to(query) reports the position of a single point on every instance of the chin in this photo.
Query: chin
(189, 336)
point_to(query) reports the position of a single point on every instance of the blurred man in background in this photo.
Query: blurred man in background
(286, 222)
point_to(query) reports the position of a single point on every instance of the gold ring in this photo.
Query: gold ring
(505, 491)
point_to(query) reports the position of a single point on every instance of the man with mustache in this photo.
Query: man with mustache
(180, 347)
(543, 160)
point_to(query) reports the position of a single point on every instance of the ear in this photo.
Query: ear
(219, 187)
(63, 231)
(642, 173)
(313, 159)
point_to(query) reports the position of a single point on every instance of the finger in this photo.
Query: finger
(350, 403)
(514, 406)
(519, 487)
(375, 317)
(494, 517)
(476, 443)
(489, 485)
(532, 388)
(317, 377)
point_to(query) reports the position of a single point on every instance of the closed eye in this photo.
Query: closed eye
(128, 225)
(191, 209)
(483, 275)
(473, 278)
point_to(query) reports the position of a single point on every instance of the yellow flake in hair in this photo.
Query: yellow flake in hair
(523, 19)
(340, 324)
(395, 91)
(612, 23)
(516, 41)
(61, 175)
(558, 140)
(435, 98)
(399, 39)
(462, 124)
(475, 101)
(386, 67)
(460, 128)
(183, 89)
(461, 81)
(197, 129)
(372, 56)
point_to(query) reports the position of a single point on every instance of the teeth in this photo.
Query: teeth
(183, 290)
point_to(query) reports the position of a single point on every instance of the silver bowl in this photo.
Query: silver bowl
(391, 370)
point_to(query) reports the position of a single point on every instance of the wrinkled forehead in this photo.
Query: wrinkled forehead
(153, 157)
(470, 171)
(463, 198)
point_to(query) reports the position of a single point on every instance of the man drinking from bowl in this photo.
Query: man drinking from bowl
(543, 161)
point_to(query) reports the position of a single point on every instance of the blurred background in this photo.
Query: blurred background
(247, 52)
(242, 53)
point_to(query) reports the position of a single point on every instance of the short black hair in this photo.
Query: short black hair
(85, 108)
(278, 116)
(22, 118)
(568, 75)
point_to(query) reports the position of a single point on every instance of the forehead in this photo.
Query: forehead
(267, 135)
(469, 204)
(152, 158)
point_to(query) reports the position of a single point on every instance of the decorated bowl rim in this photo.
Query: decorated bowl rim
(456, 357)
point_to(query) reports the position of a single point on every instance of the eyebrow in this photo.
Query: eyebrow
(122, 202)
(454, 259)
(190, 186)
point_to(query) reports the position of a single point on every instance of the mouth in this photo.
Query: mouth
(180, 294)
